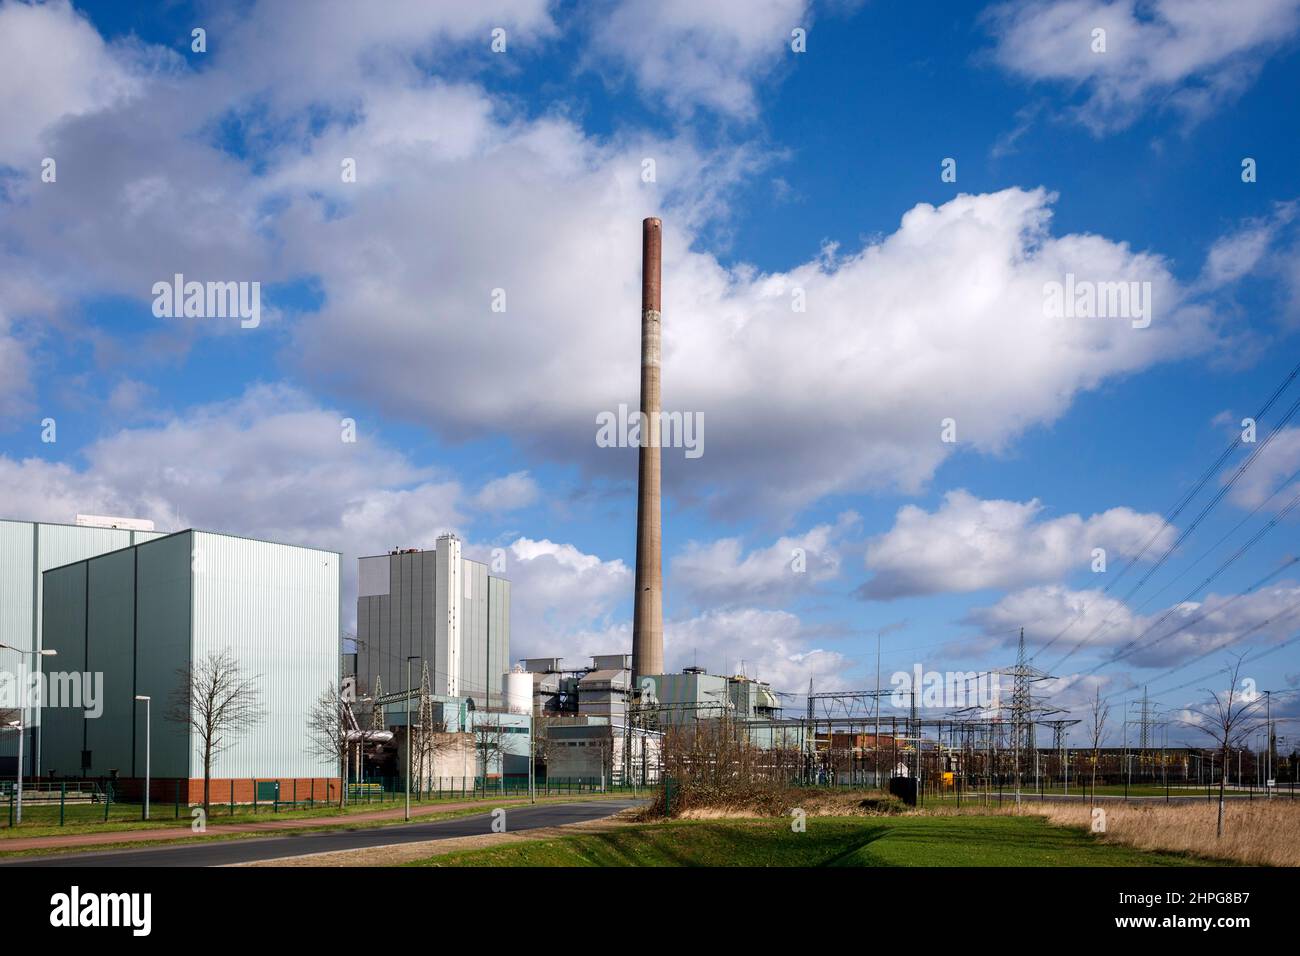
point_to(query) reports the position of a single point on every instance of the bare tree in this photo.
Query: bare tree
(490, 741)
(218, 702)
(1097, 714)
(430, 743)
(1228, 717)
(328, 732)
(545, 749)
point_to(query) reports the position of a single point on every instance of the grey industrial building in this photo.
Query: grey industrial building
(141, 614)
(440, 608)
(27, 550)
(588, 732)
(696, 694)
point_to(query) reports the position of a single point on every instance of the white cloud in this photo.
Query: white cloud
(269, 464)
(1047, 610)
(1271, 471)
(720, 573)
(769, 645)
(53, 65)
(507, 493)
(14, 372)
(969, 544)
(836, 399)
(1262, 246)
(271, 50)
(687, 54)
(1099, 624)
(130, 397)
(571, 604)
(554, 221)
(1193, 55)
(563, 601)
(1236, 255)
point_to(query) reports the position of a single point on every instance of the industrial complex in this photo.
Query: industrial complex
(109, 629)
(107, 626)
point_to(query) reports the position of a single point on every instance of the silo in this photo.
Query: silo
(517, 687)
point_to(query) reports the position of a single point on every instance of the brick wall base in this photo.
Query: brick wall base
(241, 790)
(224, 790)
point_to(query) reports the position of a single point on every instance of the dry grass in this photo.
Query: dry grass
(1258, 833)
(779, 803)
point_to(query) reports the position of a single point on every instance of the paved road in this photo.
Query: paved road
(224, 852)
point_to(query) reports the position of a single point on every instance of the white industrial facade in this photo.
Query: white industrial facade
(139, 616)
(441, 608)
(27, 549)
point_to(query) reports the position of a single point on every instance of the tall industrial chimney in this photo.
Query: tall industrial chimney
(648, 619)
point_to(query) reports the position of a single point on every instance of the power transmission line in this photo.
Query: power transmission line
(1180, 505)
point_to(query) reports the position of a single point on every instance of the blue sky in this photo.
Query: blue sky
(776, 171)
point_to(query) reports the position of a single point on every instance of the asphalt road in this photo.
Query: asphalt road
(249, 849)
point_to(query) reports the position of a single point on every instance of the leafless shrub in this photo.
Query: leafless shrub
(716, 764)
(219, 703)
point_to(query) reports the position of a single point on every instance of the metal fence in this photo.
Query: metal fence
(85, 802)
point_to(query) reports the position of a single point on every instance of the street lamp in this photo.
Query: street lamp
(40, 652)
(409, 739)
(147, 750)
(532, 729)
(360, 766)
(17, 725)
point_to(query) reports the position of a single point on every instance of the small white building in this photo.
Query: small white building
(591, 750)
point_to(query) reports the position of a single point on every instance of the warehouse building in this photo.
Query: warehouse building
(27, 550)
(439, 608)
(139, 616)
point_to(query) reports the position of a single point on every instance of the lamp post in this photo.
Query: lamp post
(409, 739)
(17, 725)
(21, 725)
(532, 729)
(148, 747)
(361, 753)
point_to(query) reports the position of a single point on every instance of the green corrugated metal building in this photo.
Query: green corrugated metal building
(140, 615)
(27, 549)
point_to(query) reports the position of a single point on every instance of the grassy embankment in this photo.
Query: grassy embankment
(907, 840)
(844, 828)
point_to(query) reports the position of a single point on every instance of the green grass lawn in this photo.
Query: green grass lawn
(43, 819)
(828, 841)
